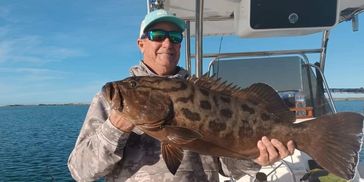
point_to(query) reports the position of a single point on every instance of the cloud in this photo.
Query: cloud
(31, 49)
(3, 31)
(36, 85)
(4, 13)
(18, 45)
(14, 93)
(31, 74)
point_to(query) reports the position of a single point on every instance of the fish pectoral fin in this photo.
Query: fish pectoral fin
(180, 135)
(172, 155)
(152, 126)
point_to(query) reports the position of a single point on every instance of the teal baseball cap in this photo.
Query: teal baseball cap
(161, 15)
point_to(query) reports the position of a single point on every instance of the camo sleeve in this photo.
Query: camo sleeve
(99, 145)
(238, 168)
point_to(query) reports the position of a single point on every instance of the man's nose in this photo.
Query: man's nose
(167, 42)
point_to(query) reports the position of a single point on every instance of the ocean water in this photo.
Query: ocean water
(354, 106)
(35, 141)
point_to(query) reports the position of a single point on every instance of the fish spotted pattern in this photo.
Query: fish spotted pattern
(211, 117)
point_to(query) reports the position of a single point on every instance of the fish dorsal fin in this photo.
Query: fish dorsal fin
(180, 135)
(172, 155)
(214, 84)
(265, 95)
(259, 93)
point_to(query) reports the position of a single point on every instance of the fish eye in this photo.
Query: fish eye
(132, 84)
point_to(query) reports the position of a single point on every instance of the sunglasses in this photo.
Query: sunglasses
(175, 37)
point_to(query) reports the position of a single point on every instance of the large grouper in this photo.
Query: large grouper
(210, 117)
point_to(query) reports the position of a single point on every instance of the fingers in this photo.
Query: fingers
(263, 158)
(291, 147)
(267, 153)
(273, 155)
(282, 150)
(271, 151)
(118, 120)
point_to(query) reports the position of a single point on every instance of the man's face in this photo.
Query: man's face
(161, 56)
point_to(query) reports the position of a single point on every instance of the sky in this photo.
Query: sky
(64, 51)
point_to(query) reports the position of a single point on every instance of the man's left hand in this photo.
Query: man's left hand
(271, 151)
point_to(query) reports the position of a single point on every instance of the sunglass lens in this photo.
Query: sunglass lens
(175, 37)
(157, 35)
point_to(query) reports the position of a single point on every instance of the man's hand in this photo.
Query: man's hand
(118, 120)
(272, 151)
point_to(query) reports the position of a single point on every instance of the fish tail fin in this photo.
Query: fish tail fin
(334, 142)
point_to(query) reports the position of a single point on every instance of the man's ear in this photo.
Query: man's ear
(140, 43)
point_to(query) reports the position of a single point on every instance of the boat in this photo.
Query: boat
(300, 81)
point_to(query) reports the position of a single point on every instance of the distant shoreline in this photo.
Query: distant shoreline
(349, 99)
(65, 104)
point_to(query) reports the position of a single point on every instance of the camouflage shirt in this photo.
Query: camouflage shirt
(102, 150)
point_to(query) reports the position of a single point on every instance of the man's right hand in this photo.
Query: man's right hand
(118, 120)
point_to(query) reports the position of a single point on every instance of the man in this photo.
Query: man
(110, 146)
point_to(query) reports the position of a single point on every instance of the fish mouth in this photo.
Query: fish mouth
(114, 96)
(120, 104)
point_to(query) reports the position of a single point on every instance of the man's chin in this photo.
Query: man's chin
(168, 60)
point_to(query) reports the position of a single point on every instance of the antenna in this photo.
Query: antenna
(355, 23)
(155, 4)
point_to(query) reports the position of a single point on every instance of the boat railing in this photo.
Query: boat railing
(327, 88)
(305, 79)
